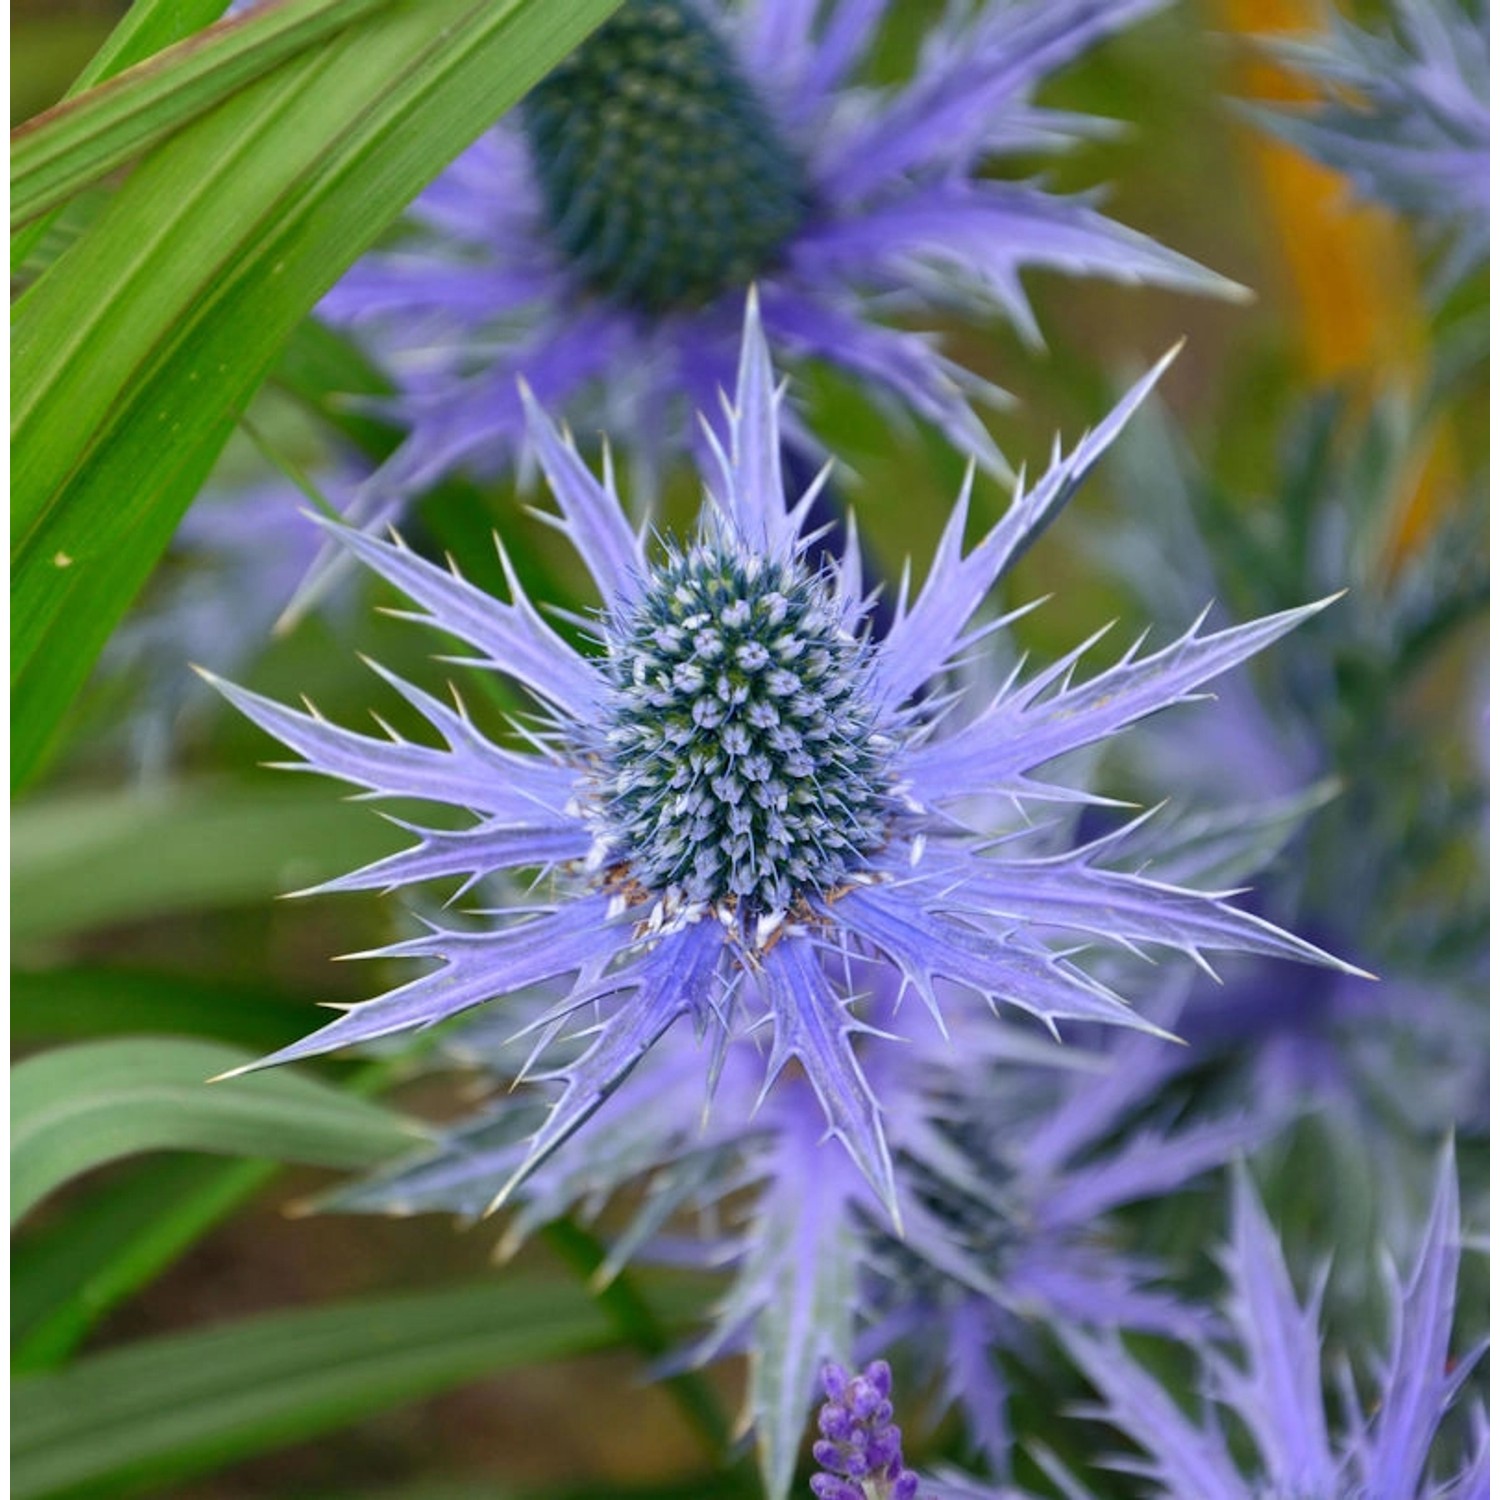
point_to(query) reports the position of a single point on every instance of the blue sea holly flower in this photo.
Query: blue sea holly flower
(600, 242)
(741, 793)
(1270, 1375)
(1386, 870)
(1404, 114)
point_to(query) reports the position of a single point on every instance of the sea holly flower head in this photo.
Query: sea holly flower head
(745, 796)
(1404, 114)
(743, 760)
(664, 180)
(600, 242)
(858, 1448)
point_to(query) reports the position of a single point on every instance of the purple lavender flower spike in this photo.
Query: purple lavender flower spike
(1383, 1448)
(601, 241)
(1405, 116)
(744, 795)
(858, 1449)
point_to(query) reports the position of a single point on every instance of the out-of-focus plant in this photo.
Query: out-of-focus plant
(1388, 867)
(1403, 112)
(600, 247)
(1263, 1378)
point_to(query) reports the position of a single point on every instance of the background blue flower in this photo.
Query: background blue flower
(1404, 114)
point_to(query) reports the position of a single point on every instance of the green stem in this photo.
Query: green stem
(633, 1316)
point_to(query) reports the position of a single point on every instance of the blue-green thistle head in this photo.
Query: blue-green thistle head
(663, 178)
(742, 754)
(742, 766)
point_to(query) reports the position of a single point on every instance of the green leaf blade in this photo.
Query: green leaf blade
(147, 27)
(92, 133)
(195, 276)
(191, 1402)
(77, 865)
(68, 1274)
(76, 1108)
(86, 1002)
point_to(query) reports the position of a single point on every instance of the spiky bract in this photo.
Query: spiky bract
(1270, 1373)
(1010, 1223)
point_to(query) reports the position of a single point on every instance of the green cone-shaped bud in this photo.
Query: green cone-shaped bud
(662, 174)
(741, 760)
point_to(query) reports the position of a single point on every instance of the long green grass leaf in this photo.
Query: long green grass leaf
(146, 28)
(135, 353)
(75, 1108)
(70, 1272)
(67, 1274)
(84, 861)
(188, 1403)
(84, 1003)
(90, 134)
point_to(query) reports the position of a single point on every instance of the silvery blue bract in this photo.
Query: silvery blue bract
(1265, 1372)
(1010, 1157)
(1271, 1375)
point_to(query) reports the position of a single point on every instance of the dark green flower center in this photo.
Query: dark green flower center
(742, 759)
(662, 174)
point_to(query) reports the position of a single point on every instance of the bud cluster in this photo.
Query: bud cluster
(859, 1448)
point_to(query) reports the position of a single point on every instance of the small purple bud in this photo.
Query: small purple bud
(830, 1455)
(827, 1487)
(860, 1446)
(835, 1422)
